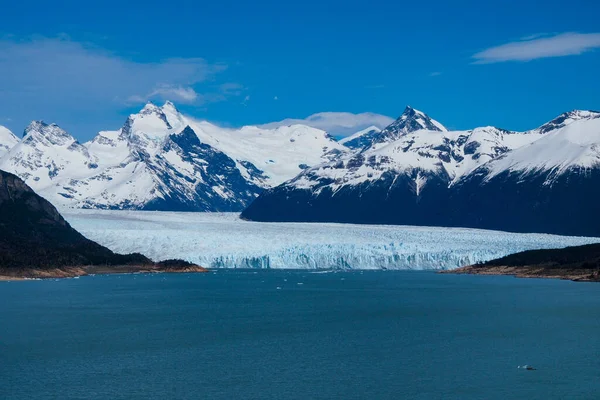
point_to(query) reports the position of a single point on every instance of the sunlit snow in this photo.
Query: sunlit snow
(222, 240)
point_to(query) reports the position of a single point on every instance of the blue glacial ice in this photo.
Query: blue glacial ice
(222, 240)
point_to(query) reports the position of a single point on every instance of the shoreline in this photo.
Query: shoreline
(23, 274)
(572, 274)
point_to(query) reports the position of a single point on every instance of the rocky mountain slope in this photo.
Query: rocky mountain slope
(163, 160)
(7, 140)
(36, 241)
(580, 263)
(34, 234)
(418, 173)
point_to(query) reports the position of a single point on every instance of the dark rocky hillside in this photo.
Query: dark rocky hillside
(587, 256)
(37, 242)
(579, 263)
(34, 235)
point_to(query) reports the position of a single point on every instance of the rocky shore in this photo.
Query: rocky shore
(578, 275)
(578, 263)
(169, 266)
(36, 242)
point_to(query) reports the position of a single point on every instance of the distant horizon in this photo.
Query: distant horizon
(359, 122)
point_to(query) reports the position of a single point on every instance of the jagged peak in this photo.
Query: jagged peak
(186, 138)
(149, 111)
(566, 118)
(169, 106)
(149, 108)
(36, 125)
(411, 120)
(187, 131)
(410, 111)
(46, 130)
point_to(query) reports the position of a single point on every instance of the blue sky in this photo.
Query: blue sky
(86, 65)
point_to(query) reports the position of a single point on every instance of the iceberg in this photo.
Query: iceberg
(223, 240)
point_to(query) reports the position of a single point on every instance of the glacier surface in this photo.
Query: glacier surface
(222, 240)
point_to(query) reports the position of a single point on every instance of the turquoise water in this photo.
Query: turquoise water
(349, 335)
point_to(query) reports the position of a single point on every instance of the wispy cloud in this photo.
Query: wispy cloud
(535, 47)
(189, 95)
(60, 70)
(374, 86)
(231, 89)
(176, 93)
(435, 74)
(338, 123)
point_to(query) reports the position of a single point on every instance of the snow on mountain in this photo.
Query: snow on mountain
(414, 153)
(269, 157)
(161, 159)
(266, 157)
(410, 121)
(566, 118)
(7, 140)
(359, 134)
(572, 140)
(47, 154)
(543, 180)
(336, 123)
(551, 185)
(360, 139)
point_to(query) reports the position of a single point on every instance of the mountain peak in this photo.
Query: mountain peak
(169, 106)
(7, 140)
(51, 132)
(149, 120)
(408, 110)
(150, 108)
(566, 118)
(411, 120)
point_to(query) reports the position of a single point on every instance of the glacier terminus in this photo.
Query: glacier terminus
(223, 240)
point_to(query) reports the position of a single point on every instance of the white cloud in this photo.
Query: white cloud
(57, 70)
(175, 93)
(535, 47)
(338, 123)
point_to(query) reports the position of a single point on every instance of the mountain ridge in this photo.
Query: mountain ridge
(455, 178)
(161, 159)
(141, 167)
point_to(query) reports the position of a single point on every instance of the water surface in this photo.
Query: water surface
(299, 335)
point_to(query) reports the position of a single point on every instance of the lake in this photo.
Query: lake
(267, 334)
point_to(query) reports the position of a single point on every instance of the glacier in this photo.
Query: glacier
(223, 240)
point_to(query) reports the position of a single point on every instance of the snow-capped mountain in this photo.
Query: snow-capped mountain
(47, 154)
(361, 138)
(411, 120)
(7, 140)
(551, 185)
(163, 160)
(406, 148)
(439, 177)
